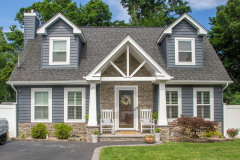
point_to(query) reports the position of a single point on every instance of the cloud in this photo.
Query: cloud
(205, 4)
(119, 13)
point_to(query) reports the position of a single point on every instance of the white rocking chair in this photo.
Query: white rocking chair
(146, 120)
(107, 121)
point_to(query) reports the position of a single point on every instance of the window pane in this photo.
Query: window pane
(41, 112)
(174, 111)
(70, 112)
(184, 45)
(78, 98)
(168, 111)
(41, 98)
(167, 97)
(174, 97)
(206, 97)
(199, 97)
(70, 98)
(185, 56)
(199, 111)
(59, 45)
(78, 112)
(59, 56)
(206, 111)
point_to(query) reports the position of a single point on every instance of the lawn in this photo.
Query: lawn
(225, 150)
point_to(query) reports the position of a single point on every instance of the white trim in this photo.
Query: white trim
(192, 40)
(162, 74)
(77, 82)
(66, 90)
(139, 67)
(162, 107)
(168, 31)
(67, 39)
(119, 70)
(43, 29)
(179, 90)
(92, 120)
(135, 107)
(211, 90)
(128, 79)
(49, 90)
(197, 82)
(128, 60)
(31, 15)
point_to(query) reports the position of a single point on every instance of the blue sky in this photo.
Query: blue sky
(201, 10)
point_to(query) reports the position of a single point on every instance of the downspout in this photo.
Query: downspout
(223, 129)
(16, 107)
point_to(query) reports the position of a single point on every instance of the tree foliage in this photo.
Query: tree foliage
(225, 38)
(154, 13)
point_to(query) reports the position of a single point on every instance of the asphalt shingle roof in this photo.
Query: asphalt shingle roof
(100, 42)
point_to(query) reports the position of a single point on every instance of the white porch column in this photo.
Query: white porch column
(162, 109)
(92, 119)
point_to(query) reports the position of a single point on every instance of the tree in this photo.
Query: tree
(225, 38)
(157, 13)
(95, 12)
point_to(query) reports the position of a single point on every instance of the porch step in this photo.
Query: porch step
(122, 137)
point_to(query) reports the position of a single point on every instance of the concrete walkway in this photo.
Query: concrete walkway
(29, 150)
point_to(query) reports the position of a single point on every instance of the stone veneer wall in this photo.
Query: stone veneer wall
(145, 96)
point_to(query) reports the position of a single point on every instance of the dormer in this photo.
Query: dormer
(61, 43)
(182, 43)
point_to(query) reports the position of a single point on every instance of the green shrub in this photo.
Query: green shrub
(155, 115)
(23, 135)
(149, 136)
(95, 132)
(86, 117)
(62, 131)
(157, 130)
(39, 131)
(212, 134)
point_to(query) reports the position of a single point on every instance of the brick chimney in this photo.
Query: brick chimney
(31, 24)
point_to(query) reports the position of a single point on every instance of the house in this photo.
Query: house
(67, 72)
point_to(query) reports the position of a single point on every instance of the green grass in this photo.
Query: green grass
(225, 150)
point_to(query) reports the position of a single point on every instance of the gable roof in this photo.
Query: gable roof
(160, 73)
(101, 41)
(76, 30)
(200, 29)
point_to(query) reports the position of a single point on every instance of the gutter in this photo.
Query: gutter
(225, 86)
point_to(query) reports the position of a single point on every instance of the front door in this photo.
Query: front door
(126, 107)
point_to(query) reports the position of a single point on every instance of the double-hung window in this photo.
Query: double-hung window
(173, 103)
(41, 104)
(185, 51)
(203, 103)
(59, 52)
(74, 104)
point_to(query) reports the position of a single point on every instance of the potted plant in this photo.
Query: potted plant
(94, 136)
(149, 139)
(232, 132)
(157, 134)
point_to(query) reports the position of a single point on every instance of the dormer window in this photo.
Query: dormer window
(185, 51)
(59, 52)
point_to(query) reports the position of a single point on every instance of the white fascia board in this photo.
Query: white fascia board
(142, 79)
(196, 82)
(129, 39)
(26, 83)
(168, 30)
(31, 15)
(43, 29)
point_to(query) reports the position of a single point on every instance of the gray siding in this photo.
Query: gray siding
(163, 47)
(31, 24)
(187, 101)
(61, 29)
(184, 29)
(218, 103)
(24, 102)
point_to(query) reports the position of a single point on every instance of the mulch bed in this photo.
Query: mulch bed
(203, 140)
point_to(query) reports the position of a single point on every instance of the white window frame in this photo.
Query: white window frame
(33, 90)
(179, 90)
(66, 90)
(192, 40)
(67, 39)
(211, 90)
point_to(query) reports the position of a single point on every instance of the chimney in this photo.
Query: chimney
(31, 24)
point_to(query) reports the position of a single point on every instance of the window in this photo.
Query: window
(203, 103)
(184, 51)
(41, 104)
(74, 104)
(173, 103)
(59, 53)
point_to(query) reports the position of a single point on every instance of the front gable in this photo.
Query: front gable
(128, 62)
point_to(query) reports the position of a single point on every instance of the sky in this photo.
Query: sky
(201, 10)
